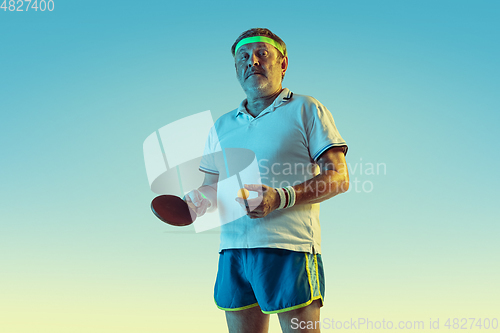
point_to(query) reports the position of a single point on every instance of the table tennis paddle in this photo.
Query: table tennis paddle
(172, 210)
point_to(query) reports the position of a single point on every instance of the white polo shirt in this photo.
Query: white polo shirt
(287, 138)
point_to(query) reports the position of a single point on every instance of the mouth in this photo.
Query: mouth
(254, 73)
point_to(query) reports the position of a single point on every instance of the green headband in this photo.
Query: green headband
(257, 39)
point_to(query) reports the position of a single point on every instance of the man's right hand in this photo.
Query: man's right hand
(197, 202)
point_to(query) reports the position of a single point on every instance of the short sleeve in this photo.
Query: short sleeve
(321, 131)
(207, 163)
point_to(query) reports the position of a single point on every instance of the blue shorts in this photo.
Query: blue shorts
(275, 279)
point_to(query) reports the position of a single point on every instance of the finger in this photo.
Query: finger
(197, 198)
(254, 187)
(191, 206)
(201, 211)
(250, 208)
(253, 215)
(254, 203)
(242, 204)
(204, 206)
(191, 197)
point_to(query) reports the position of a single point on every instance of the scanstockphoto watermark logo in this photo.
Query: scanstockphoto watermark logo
(173, 158)
(472, 324)
(357, 324)
(362, 175)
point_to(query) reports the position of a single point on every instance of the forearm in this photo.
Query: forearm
(327, 184)
(324, 186)
(333, 179)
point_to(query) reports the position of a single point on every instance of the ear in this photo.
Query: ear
(284, 65)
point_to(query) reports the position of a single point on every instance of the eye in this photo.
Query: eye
(263, 53)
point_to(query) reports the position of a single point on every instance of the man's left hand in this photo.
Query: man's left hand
(266, 201)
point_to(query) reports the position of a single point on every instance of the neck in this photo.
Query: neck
(257, 104)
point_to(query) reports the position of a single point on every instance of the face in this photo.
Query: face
(258, 69)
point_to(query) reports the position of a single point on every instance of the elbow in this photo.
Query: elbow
(339, 185)
(344, 186)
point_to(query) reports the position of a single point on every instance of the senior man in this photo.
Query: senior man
(270, 259)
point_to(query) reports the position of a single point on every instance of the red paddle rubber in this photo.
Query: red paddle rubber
(172, 210)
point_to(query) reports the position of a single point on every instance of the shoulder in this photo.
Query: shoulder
(307, 107)
(305, 103)
(304, 99)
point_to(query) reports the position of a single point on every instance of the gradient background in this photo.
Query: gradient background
(411, 84)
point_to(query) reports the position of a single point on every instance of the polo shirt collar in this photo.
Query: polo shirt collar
(282, 98)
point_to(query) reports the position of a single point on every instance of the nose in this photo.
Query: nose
(253, 60)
